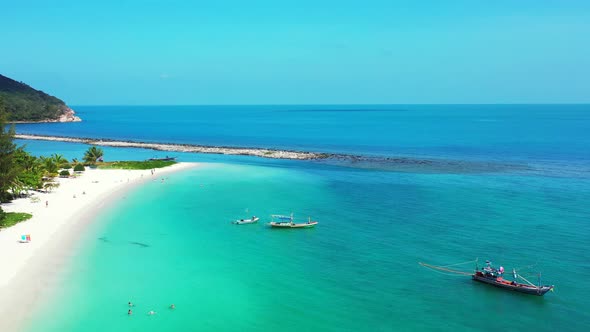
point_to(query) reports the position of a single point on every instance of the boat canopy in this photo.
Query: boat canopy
(281, 217)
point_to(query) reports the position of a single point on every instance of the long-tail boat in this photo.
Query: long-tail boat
(252, 220)
(495, 277)
(281, 221)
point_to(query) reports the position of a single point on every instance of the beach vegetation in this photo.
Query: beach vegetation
(8, 219)
(93, 154)
(19, 170)
(30, 172)
(59, 160)
(49, 165)
(8, 173)
(49, 186)
(138, 165)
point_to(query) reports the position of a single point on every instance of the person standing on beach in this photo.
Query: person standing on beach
(46, 203)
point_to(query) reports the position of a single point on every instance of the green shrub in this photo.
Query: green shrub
(79, 168)
(13, 218)
(64, 173)
(5, 197)
(2, 215)
(66, 166)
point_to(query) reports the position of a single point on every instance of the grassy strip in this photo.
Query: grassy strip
(147, 164)
(13, 218)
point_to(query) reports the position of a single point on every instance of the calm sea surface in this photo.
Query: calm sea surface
(473, 131)
(515, 189)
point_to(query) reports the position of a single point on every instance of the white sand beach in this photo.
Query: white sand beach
(26, 269)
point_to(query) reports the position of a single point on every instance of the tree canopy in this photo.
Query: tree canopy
(93, 154)
(19, 170)
(23, 103)
(8, 172)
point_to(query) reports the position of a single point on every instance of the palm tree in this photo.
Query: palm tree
(30, 169)
(50, 166)
(93, 154)
(59, 160)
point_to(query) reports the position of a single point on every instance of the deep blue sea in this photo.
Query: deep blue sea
(509, 183)
(535, 132)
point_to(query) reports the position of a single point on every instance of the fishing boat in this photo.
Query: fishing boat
(252, 220)
(495, 277)
(282, 221)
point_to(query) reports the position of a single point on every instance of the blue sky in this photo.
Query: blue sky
(299, 52)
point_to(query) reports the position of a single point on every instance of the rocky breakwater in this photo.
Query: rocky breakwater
(258, 152)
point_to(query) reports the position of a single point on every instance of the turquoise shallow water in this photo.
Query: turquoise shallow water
(516, 192)
(357, 271)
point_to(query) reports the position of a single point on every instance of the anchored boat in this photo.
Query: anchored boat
(252, 220)
(495, 277)
(282, 221)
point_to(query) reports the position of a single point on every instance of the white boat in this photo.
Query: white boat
(252, 220)
(281, 221)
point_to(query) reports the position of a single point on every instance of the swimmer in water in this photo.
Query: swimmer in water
(172, 306)
(151, 313)
(130, 304)
(129, 312)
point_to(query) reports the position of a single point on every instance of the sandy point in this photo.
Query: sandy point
(27, 269)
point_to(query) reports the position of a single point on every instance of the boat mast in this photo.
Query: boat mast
(514, 275)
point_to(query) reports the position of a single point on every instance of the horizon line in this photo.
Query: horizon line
(337, 104)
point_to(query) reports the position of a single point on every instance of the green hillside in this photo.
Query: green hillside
(23, 103)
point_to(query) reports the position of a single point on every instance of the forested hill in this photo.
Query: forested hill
(23, 103)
